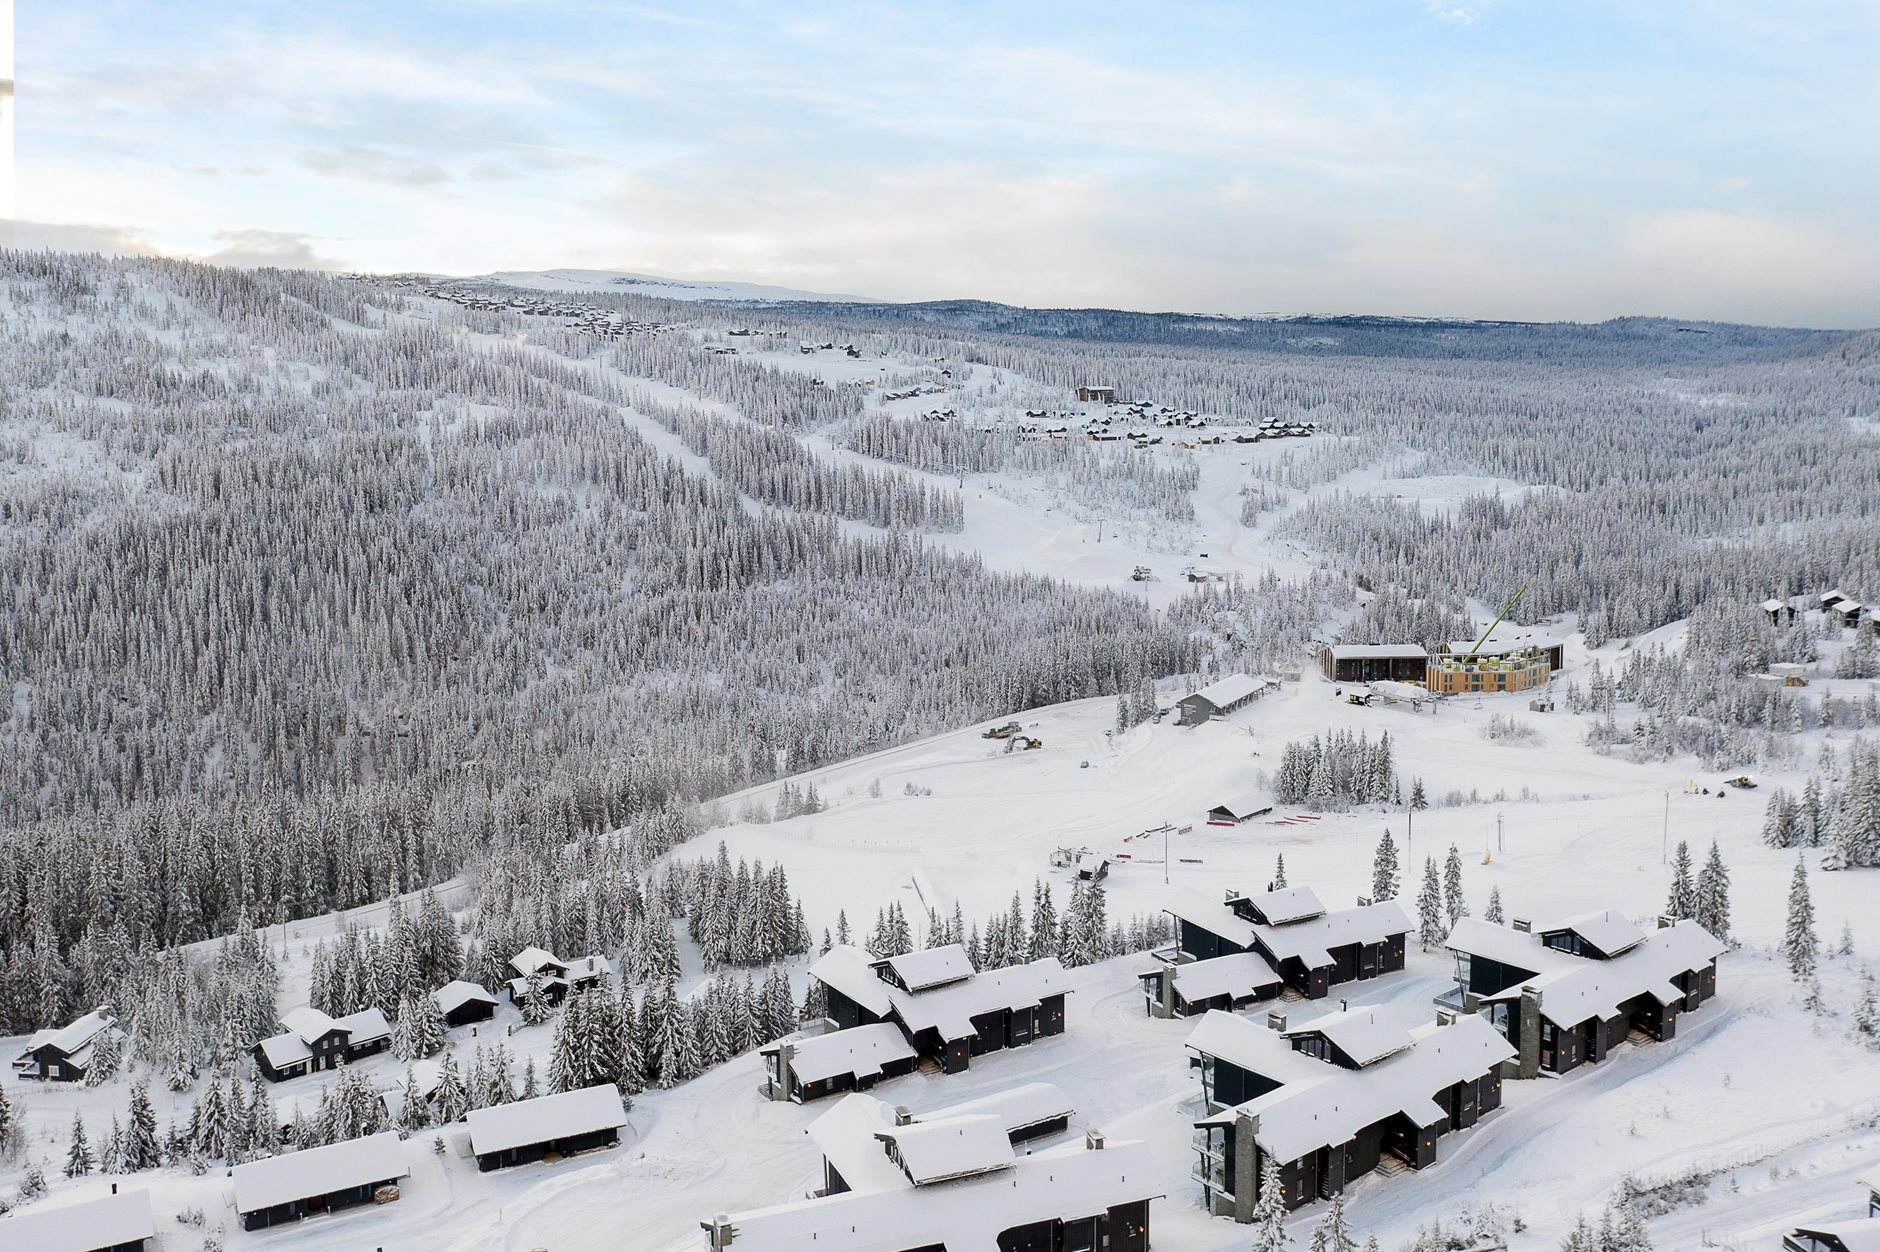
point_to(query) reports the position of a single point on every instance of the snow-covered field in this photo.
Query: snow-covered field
(1779, 1104)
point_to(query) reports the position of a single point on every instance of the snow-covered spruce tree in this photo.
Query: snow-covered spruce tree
(414, 1110)
(1713, 895)
(1334, 1231)
(451, 1099)
(1867, 1011)
(1682, 903)
(535, 1006)
(1279, 872)
(1455, 906)
(1269, 1211)
(1799, 943)
(141, 1148)
(1493, 913)
(1385, 875)
(1430, 931)
(78, 1158)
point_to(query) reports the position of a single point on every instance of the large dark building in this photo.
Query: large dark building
(1567, 993)
(552, 1125)
(1369, 663)
(1328, 1100)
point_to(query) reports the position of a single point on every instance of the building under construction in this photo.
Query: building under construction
(1495, 663)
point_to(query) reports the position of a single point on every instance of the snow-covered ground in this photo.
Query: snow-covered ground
(1780, 1105)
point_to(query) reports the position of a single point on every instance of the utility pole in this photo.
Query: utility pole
(1664, 839)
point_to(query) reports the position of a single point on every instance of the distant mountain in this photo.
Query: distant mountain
(622, 282)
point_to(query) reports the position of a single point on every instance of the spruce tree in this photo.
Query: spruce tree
(1334, 1232)
(1713, 895)
(1279, 872)
(1682, 903)
(1385, 876)
(1867, 1012)
(1269, 1211)
(1430, 932)
(78, 1159)
(1799, 943)
(142, 1149)
(1455, 907)
(1493, 913)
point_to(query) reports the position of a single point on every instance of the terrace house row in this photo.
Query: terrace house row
(1329, 1100)
(1245, 948)
(1567, 993)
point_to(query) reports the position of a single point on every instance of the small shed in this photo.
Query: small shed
(563, 1124)
(1791, 674)
(287, 1188)
(1240, 809)
(464, 1002)
(1221, 697)
(119, 1222)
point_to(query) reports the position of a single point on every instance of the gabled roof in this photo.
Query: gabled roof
(530, 959)
(1366, 1034)
(1213, 916)
(1230, 690)
(1575, 988)
(318, 1171)
(1609, 930)
(284, 1049)
(1017, 1108)
(454, 995)
(364, 1026)
(75, 1035)
(309, 1023)
(862, 1050)
(1311, 940)
(559, 1116)
(1287, 904)
(1241, 807)
(83, 1226)
(1862, 1235)
(1773, 606)
(1239, 974)
(948, 1008)
(848, 970)
(845, 1135)
(950, 1147)
(1318, 1104)
(930, 967)
(581, 969)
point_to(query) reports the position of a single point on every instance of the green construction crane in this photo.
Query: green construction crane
(1505, 610)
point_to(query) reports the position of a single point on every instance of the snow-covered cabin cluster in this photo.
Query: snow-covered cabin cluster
(1567, 992)
(896, 1182)
(941, 1009)
(554, 976)
(1232, 952)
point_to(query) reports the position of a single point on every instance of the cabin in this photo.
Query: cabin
(310, 1041)
(463, 1002)
(1310, 948)
(1241, 809)
(1330, 1100)
(63, 1054)
(1222, 697)
(279, 1189)
(1780, 612)
(560, 1125)
(1859, 1235)
(1096, 395)
(1223, 982)
(119, 1222)
(1789, 673)
(1845, 612)
(897, 1183)
(946, 1010)
(558, 977)
(839, 1061)
(1566, 993)
(1367, 663)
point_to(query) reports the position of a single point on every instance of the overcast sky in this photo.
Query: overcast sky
(1519, 159)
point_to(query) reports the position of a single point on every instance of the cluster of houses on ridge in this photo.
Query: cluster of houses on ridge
(578, 315)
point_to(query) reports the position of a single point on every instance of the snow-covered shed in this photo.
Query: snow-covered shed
(1242, 808)
(63, 1053)
(954, 1015)
(1221, 697)
(954, 1182)
(841, 1060)
(1859, 1235)
(563, 1124)
(1328, 1099)
(1370, 662)
(1310, 948)
(287, 1188)
(118, 1222)
(311, 1041)
(1567, 992)
(463, 1002)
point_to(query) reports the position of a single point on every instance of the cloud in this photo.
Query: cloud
(248, 249)
(1462, 12)
(76, 237)
(1735, 266)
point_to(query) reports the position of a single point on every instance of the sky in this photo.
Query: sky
(1711, 159)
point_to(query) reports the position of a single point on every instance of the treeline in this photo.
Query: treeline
(1337, 771)
(1838, 808)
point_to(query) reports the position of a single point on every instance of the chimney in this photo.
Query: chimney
(1522, 924)
(1344, 1006)
(1666, 921)
(1093, 1139)
(719, 1232)
(902, 1117)
(1445, 1017)
(113, 1188)
(1275, 1020)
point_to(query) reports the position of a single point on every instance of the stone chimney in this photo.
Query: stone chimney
(719, 1232)
(902, 1117)
(1522, 924)
(1275, 1020)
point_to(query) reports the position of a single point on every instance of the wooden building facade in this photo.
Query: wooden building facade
(286, 1188)
(559, 1125)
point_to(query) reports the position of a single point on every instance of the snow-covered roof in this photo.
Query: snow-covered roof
(584, 968)
(76, 1034)
(1378, 651)
(530, 959)
(948, 1008)
(1575, 988)
(309, 1023)
(1213, 916)
(1312, 939)
(1287, 904)
(1365, 1033)
(931, 967)
(364, 1026)
(558, 1116)
(1846, 606)
(1318, 1104)
(454, 995)
(1017, 1108)
(863, 1051)
(1232, 689)
(1062, 1183)
(318, 1171)
(1241, 807)
(1238, 975)
(1773, 606)
(284, 1049)
(950, 1147)
(1609, 930)
(1862, 1235)
(1829, 597)
(84, 1226)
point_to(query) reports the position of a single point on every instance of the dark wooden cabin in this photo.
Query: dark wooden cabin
(286, 1188)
